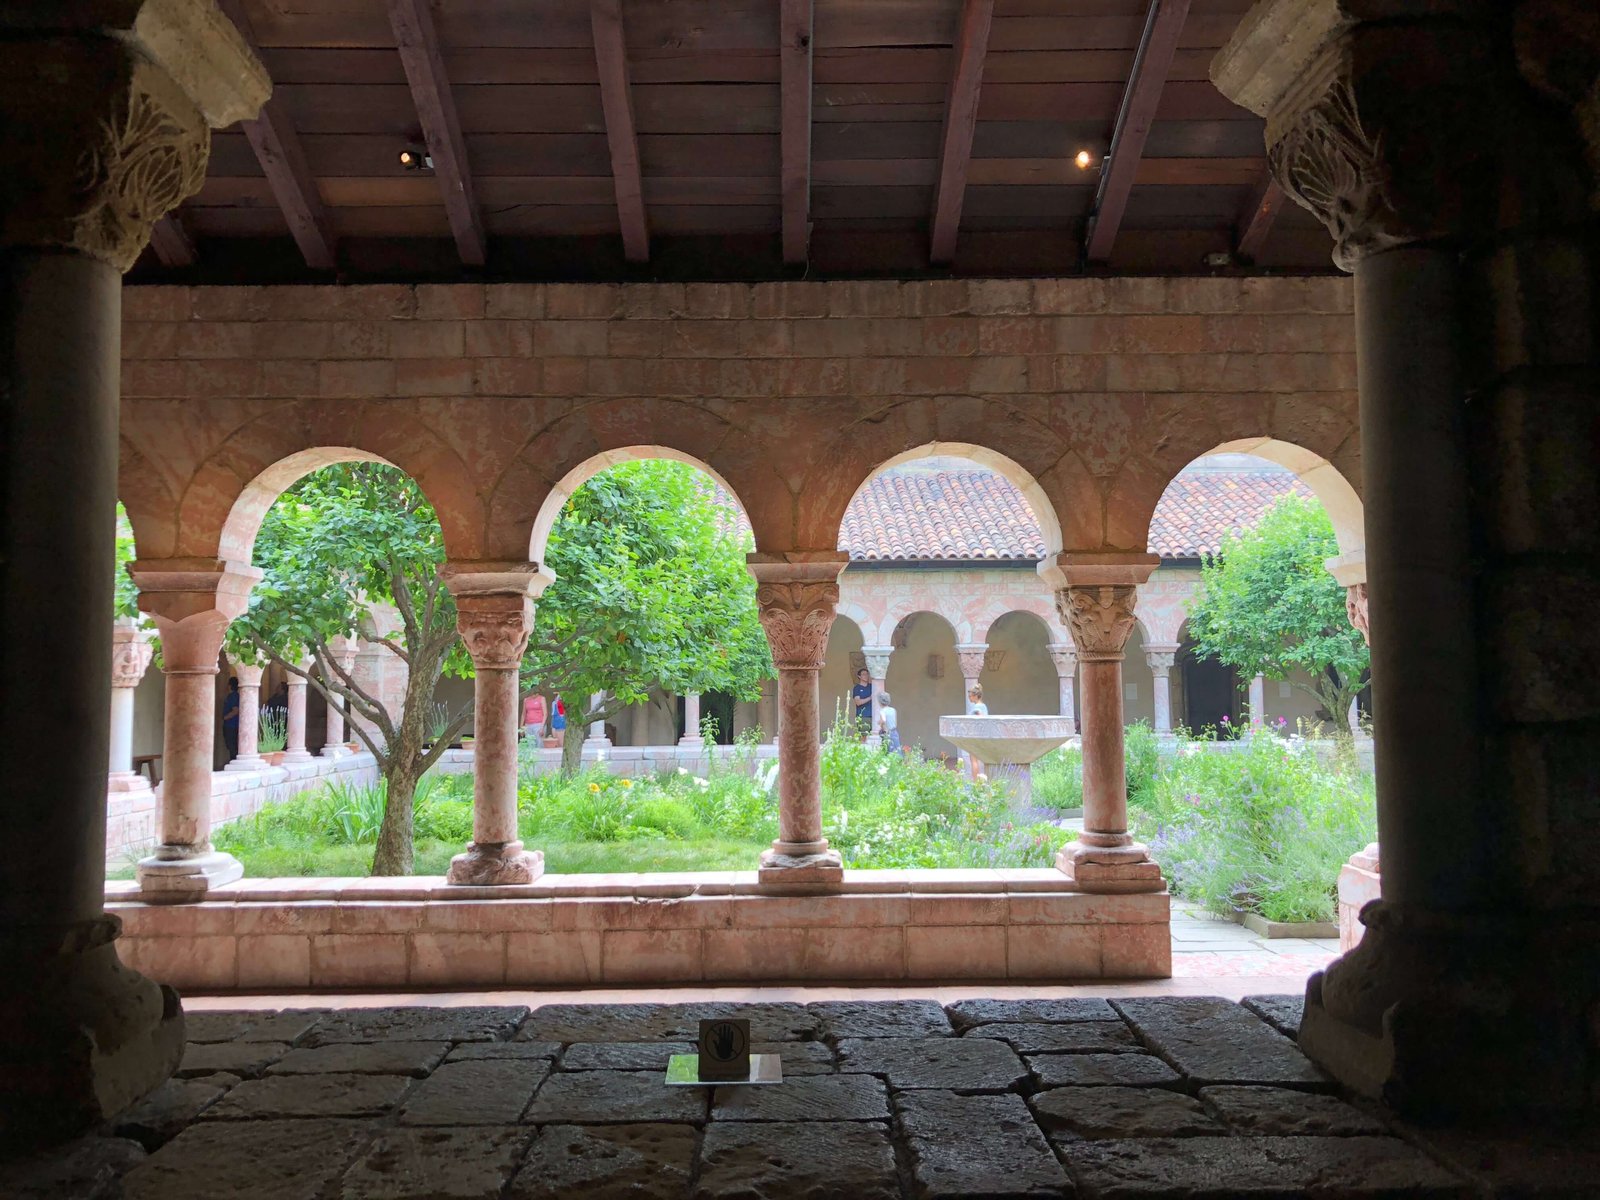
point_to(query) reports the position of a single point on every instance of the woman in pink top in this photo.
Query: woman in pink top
(533, 713)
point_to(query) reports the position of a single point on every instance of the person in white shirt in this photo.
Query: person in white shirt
(888, 723)
(975, 708)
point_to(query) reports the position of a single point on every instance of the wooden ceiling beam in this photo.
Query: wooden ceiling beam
(794, 56)
(616, 101)
(1266, 202)
(418, 43)
(277, 148)
(172, 243)
(960, 121)
(1151, 64)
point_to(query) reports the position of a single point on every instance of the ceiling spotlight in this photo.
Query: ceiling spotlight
(413, 158)
(1220, 258)
(1083, 159)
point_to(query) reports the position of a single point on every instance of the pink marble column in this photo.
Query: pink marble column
(691, 720)
(494, 607)
(294, 747)
(192, 602)
(249, 756)
(1258, 702)
(971, 655)
(878, 672)
(1097, 606)
(797, 596)
(333, 743)
(1161, 657)
(130, 658)
(1065, 658)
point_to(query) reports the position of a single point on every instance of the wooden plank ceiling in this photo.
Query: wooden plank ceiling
(631, 138)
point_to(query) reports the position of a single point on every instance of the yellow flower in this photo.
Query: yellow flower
(594, 787)
(627, 783)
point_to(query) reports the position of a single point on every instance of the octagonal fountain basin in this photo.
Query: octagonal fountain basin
(1008, 746)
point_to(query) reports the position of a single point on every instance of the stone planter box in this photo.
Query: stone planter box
(1256, 923)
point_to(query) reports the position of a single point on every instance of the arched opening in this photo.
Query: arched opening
(924, 681)
(1019, 677)
(844, 658)
(249, 509)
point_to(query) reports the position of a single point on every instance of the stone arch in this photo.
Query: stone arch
(911, 606)
(920, 697)
(561, 491)
(238, 539)
(1039, 609)
(1044, 512)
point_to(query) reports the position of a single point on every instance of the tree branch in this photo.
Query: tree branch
(442, 742)
(399, 651)
(377, 715)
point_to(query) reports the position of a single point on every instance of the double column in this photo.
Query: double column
(192, 601)
(249, 756)
(1160, 657)
(104, 126)
(494, 612)
(1095, 595)
(797, 595)
(1453, 152)
(1064, 656)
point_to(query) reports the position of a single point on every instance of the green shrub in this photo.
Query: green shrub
(1141, 760)
(1058, 779)
(1264, 830)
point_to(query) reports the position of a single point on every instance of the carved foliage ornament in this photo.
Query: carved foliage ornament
(495, 640)
(1355, 607)
(129, 661)
(1100, 618)
(797, 617)
(98, 148)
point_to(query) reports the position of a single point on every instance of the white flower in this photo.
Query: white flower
(705, 783)
(683, 770)
(844, 819)
(883, 770)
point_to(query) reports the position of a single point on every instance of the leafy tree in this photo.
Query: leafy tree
(340, 542)
(1269, 606)
(125, 595)
(651, 591)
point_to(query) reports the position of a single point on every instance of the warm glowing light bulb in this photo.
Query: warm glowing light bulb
(1083, 160)
(407, 159)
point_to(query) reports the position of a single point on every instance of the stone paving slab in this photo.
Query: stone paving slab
(336, 1095)
(967, 1013)
(604, 1097)
(622, 1056)
(807, 1098)
(440, 1164)
(806, 1160)
(1080, 1037)
(608, 1162)
(1238, 1168)
(250, 1026)
(486, 1092)
(363, 1058)
(250, 1160)
(472, 1051)
(485, 1024)
(1102, 1070)
(663, 1022)
(1122, 1112)
(164, 1113)
(880, 1018)
(90, 1168)
(1212, 1040)
(800, 1058)
(964, 1064)
(1281, 1012)
(1271, 1111)
(962, 1146)
(245, 1059)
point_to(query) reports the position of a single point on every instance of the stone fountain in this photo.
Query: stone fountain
(1007, 746)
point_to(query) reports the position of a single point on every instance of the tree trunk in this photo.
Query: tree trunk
(395, 854)
(572, 739)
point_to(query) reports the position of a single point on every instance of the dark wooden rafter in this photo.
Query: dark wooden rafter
(418, 43)
(1151, 63)
(283, 161)
(1266, 202)
(172, 243)
(960, 121)
(795, 124)
(616, 100)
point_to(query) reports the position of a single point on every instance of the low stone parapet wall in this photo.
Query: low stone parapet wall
(587, 930)
(640, 761)
(1359, 885)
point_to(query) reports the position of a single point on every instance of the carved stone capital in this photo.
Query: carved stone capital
(109, 111)
(1100, 618)
(1160, 658)
(1355, 607)
(495, 629)
(192, 601)
(131, 652)
(797, 616)
(877, 658)
(1065, 657)
(972, 656)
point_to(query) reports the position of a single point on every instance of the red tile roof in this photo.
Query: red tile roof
(976, 515)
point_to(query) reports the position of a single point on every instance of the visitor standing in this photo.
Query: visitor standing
(533, 714)
(861, 697)
(888, 723)
(558, 721)
(230, 718)
(975, 708)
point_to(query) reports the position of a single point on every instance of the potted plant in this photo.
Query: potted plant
(273, 735)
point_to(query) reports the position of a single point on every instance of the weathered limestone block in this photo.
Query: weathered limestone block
(975, 1065)
(611, 1097)
(1102, 1070)
(363, 1058)
(88, 1168)
(340, 1095)
(248, 1160)
(247, 1059)
(1080, 1037)
(803, 1160)
(474, 1051)
(479, 1024)
(1217, 1041)
(810, 1098)
(1272, 1112)
(571, 1023)
(1281, 1012)
(622, 1056)
(165, 1112)
(488, 1092)
(608, 1162)
(250, 1026)
(462, 1164)
(880, 1018)
(967, 1013)
(976, 1145)
(1122, 1112)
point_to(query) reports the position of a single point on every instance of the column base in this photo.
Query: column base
(123, 782)
(254, 763)
(297, 756)
(1111, 870)
(688, 743)
(1462, 1017)
(339, 751)
(487, 864)
(167, 878)
(780, 866)
(85, 1038)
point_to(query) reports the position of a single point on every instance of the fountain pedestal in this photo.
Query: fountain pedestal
(1008, 746)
